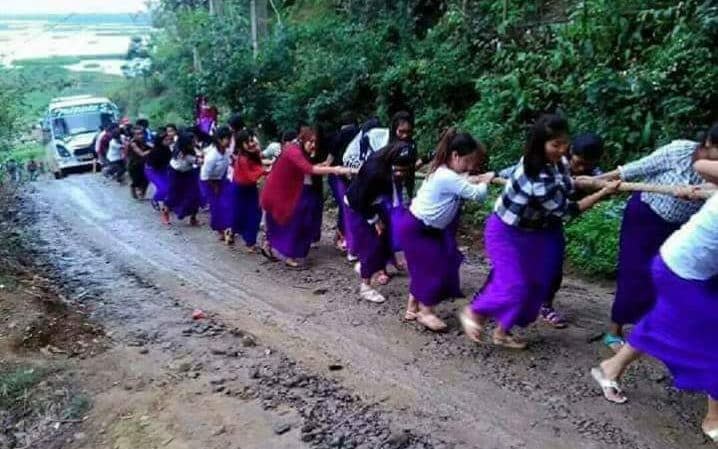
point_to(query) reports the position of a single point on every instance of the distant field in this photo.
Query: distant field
(84, 19)
(114, 33)
(62, 60)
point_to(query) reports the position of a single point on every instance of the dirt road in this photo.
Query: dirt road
(291, 359)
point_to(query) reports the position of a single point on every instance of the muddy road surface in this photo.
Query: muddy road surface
(293, 359)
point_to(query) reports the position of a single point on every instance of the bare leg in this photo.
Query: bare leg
(412, 308)
(614, 367)
(473, 324)
(710, 422)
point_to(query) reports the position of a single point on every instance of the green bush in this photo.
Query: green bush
(592, 239)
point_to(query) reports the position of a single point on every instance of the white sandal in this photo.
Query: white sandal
(471, 327)
(371, 295)
(713, 435)
(608, 386)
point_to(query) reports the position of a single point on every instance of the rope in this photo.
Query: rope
(593, 185)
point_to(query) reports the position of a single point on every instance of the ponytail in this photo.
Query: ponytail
(460, 142)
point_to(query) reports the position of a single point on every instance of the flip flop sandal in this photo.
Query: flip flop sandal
(509, 342)
(554, 319)
(613, 342)
(295, 266)
(610, 388)
(471, 328)
(431, 322)
(372, 295)
(267, 253)
(410, 316)
(713, 435)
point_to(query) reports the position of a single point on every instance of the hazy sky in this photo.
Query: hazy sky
(68, 6)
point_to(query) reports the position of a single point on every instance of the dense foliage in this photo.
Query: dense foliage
(10, 113)
(640, 73)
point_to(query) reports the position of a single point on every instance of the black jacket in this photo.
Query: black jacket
(373, 181)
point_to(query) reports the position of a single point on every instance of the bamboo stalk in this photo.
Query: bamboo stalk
(594, 184)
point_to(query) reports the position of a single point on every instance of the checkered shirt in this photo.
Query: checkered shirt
(671, 164)
(540, 202)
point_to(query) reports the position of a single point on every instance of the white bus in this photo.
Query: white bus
(70, 127)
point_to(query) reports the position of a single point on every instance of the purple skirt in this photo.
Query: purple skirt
(393, 213)
(294, 238)
(642, 234)
(524, 265)
(433, 259)
(160, 178)
(221, 207)
(317, 215)
(338, 186)
(681, 329)
(373, 250)
(247, 213)
(203, 193)
(183, 196)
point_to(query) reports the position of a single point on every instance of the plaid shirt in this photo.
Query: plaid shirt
(671, 164)
(540, 202)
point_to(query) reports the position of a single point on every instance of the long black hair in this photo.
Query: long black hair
(246, 136)
(705, 138)
(184, 145)
(223, 132)
(462, 143)
(547, 127)
(396, 120)
(397, 154)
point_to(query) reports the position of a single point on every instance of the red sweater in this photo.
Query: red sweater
(247, 171)
(285, 183)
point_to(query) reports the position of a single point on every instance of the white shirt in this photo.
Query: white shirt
(272, 151)
(183, 163)
(378, 139)
(691, 252)
(114, 151)
(439, 198)
(215, 164)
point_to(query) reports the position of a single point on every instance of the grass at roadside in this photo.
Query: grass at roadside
(16, 382)
(25, 152)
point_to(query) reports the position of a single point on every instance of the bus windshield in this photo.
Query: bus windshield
(67, 122)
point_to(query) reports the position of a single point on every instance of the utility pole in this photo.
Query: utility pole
(258, 19)
(215, 7)
(253, 19)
